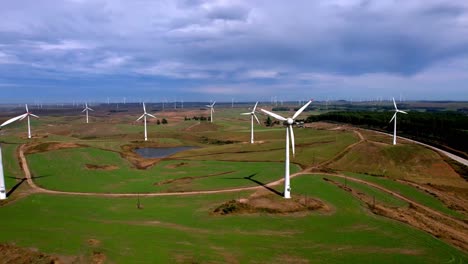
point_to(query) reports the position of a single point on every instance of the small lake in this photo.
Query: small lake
(160, 152)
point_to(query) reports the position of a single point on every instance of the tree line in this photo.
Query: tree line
(448, 130)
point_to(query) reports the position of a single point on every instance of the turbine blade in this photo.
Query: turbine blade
(273, 115)
(291, 133)
(213, 103)
(208, 106)
(9, 121)
(144, 107)
(392, 118)
(27, 110)
(90, 109)
(246, 113)
(34, 115)
(258, 121)
(394, 104)
(140, 117)
(212, 109)
(255, 107)
(150, 115)
(84, 110)
(302, 109)
(403, 112)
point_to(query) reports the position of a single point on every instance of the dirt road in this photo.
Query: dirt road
(443, 152)
(38, 189)
(448, 221)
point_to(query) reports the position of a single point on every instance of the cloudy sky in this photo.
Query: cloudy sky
(52, 50)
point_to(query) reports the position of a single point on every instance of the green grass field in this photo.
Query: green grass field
(12, 170)
(54, 171)
(409, 191)
(403, 161)
(181, 229)
(379, 196)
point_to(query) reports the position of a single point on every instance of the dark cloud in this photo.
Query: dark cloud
(228, 43)
(229, 13)
(449, 9)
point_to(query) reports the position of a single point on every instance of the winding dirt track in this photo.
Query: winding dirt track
(37, 189)
(456, 229)
(401, 197)
(308, 170)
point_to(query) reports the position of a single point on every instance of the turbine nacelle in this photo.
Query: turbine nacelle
(252, 116)
(144, 115)
(289, 135)
(394, 119)
(21, 117)
(211, 107)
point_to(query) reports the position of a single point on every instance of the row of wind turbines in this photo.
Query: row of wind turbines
(288, 122)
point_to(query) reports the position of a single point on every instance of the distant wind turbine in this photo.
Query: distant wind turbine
(394, 118)
(86, 109)
(252, 115)
(289, 132)
(21, 117)
(144, 119)
(211, 107)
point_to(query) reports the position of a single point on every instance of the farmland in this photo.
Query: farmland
(164, 210)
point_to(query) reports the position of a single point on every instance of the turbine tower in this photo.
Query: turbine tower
(86, 109)
(211, 107)
(144, 119)
(252, 115)
(394, 118)
(21, 117)
(2, 179)
(289, 133)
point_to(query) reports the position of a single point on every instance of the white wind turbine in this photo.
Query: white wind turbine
(21, 117)
(252, 115)
(394, 118)
(211, 107)
(144, 119)
(289, 131)
(86, 109)
(2, 179)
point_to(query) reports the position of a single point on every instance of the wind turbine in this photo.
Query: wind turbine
(252, 115)
(2, 179)
(21, 117)
(211, 106)
(86, 109)
(394, 119)
(289, 130)
(144, 119)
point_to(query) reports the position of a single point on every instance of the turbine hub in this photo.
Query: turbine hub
(290, 121)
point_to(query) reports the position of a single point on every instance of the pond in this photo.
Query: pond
(160, 152)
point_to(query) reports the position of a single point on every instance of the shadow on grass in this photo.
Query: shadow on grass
(250, 178)
(12, 190)
(21, 180)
